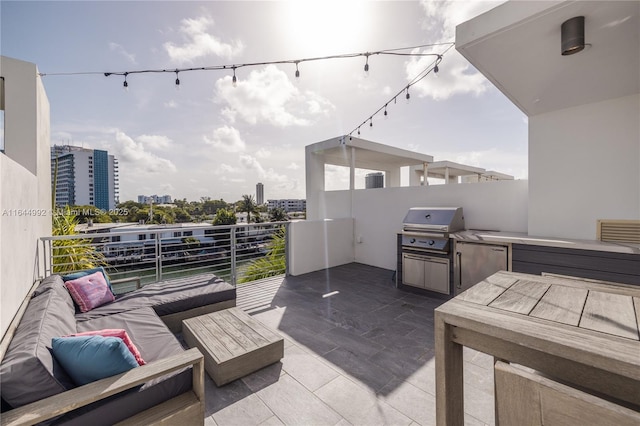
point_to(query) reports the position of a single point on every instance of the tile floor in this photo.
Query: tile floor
(357, 351)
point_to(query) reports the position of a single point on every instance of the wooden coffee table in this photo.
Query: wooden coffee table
(233, 343)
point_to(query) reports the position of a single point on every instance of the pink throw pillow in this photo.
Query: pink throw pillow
(116, 332)
(90, 291)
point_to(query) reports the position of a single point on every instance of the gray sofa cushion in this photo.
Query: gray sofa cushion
(154, 341)
(28, 371)
(169, 297)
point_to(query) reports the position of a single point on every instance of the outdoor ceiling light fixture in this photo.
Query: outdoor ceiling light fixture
(572, 35)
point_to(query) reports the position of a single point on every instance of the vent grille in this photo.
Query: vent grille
(619, 231)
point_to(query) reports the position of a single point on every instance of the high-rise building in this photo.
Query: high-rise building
(84, 177)
(260, 193)
(374, 180)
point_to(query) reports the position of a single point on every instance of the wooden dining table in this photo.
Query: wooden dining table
(578, 331)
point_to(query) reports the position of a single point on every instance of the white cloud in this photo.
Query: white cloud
(115, 47)
(293, 166)
(128, 151)
(227, 139)
(225, 169)
(268, 96)
(456, 75)
(200, 43)
(167, 188)
(263, 153)
(155, 141)
(251, 163)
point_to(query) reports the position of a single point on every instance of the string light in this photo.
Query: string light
(125, 84)
(402, 51)
(366, 65)
(177, 80)
(431, 67)
(234, 80)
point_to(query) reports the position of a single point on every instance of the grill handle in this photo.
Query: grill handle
(459, 283)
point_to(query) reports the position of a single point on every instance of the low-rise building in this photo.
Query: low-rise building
(288, 205)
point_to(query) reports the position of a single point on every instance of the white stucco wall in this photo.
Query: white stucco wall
(584, 165)
(378, 213)
(25, 184)
(319, 244)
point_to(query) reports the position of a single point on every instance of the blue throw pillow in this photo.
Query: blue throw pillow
(90, 358)
(81, 274)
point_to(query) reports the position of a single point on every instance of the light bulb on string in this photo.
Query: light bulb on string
(435, 68)
(386, 115)
(358, 130)
(125, 85)
(177, 81)
(297, 71)
(371, 122)
(366, 66)
(234, 80)
(408, 96)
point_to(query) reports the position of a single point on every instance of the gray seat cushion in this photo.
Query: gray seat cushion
(154, 341)
(169, 297)
(28, 371)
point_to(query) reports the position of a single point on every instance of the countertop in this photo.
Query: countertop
(483, 236)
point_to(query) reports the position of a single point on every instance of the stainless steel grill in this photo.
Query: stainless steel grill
(424, 245)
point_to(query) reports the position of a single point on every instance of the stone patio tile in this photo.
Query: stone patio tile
(272, 421)
(469, 420)
(264, 377)
(347, 340)
(359, 405)
(307, 369)
(295, 405)
(361, 369)
(312, 340)
(478, 358)
(208, 421)
(396, 362)
(218, 398)
(246, 412)
(411, 401)
(424, 378)
(478, 377)
(479, 404)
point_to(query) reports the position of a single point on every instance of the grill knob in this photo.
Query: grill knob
(413, 240)
(431, 242)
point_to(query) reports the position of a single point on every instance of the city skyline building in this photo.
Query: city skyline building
(259, 193)
(374, 180)
(155, 199)
(84, 177)
(288, 205)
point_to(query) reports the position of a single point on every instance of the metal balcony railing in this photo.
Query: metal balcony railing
(236, 253)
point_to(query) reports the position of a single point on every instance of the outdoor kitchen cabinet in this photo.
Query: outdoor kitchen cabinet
(428, 273)
(473, 262)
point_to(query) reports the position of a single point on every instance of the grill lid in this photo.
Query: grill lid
(434, 219)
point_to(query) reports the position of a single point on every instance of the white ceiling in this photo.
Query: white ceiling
(517, 47)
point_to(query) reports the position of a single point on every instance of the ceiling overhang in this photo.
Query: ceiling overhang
(367, 155)
(517, 47)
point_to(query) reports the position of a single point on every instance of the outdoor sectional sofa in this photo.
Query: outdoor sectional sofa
(34, 386)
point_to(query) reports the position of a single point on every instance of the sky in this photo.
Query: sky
(211, 139)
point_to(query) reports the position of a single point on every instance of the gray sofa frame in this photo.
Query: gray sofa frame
(186, 408)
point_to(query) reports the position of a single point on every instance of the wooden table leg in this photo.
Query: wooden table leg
(449, 376)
